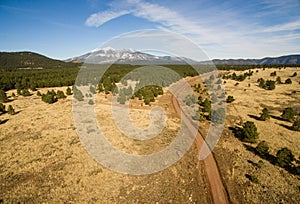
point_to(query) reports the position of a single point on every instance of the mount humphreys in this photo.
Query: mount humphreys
(130, 56)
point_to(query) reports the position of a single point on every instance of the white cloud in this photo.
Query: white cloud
(100, 18)
(221, 30)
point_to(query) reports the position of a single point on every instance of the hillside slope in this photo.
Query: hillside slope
(14, 60)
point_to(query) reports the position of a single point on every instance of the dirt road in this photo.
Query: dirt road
(213, 177)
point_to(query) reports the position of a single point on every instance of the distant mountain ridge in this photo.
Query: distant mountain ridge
(16, 60)
(130, 56)
(127, 56)
(287, 59)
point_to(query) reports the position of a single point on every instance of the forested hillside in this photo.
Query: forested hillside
(13, 60)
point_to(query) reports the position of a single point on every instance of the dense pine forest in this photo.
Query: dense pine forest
(27, 70)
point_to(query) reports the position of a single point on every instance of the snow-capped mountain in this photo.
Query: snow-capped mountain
(127, 56)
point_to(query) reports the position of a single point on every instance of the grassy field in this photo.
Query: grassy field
(276, 185)
(42, 159)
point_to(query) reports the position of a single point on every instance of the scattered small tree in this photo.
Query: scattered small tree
(278, 80)
(249, 132)
(229, 99)
(288, 114)
(49, 97)
(253, 178)
(270, 85)
(285, 157)
(78, 94)
(60, 94)
(296, 124)
(288, 81)
(11, 110)
(295, 74)
(38, 93)
(273, 73)
(190, 100)
(264, 115)
(92, 89)
(3, 96)
(262, 148)
(69, 91)
(91, 102)
(218, 116)
(2, 108)
(206, 106)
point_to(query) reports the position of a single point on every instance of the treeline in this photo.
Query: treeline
(258, 66)
(32, 79)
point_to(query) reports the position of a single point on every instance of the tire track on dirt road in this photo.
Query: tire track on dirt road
(217, 190)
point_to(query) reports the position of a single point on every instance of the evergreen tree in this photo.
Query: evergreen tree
(249, 132)
(206, 106)
(10, 110)
(2, 108)
(264, 115)
(278, 80)
(296, 124)
(262, 148)
(270, 85)
(288, 81)
(77, 94)
(218, 116)
(285, 157)
(229, 99)
(49, 97)
(288, 114)
(60, 94)
(3, 96)
(69, 91)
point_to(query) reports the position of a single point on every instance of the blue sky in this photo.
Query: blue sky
(222, 29)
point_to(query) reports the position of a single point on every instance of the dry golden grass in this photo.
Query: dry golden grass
(42, 160)
(276, 184)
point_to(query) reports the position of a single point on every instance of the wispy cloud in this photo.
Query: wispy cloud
(100, 18)
(223, 29)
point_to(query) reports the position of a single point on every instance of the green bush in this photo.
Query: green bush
(91, 102)
(77, 94)
(229, 99)
(288, 81)
(273, 73)
(270, 85)
(278, 80)
(253, 178)
(69, 91)
(288, 114)
(262, 148)
(296, 124)
(11, 110)
(2, 108)
(3, 96)
(206, 105)
(264, 115)
(284, 157)
(60, 94)
(249, 132)
(49, 97)
(218, 116)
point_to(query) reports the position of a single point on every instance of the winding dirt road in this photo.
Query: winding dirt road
(217, 190)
